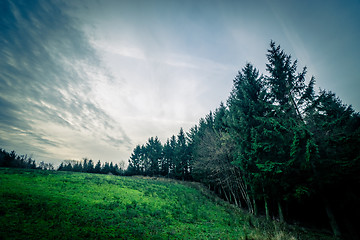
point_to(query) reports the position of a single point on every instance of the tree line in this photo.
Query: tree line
(275, 148)
(13, 160)
(88, 166)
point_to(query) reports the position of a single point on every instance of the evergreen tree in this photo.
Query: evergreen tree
(77, 167)
(85, 165)
(192, 140)
(167, 159)
(153, 155)
(288, 138)
(106, 168)
(90, 166)
(97, 168)
(181, 168)
(248, 104)
(61, 167)
(135, 161)
(112, 168)
(68, 167)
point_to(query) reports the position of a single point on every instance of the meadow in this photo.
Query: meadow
(37, 204)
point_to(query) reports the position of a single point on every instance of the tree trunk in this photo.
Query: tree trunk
(266, 209)
(281, 215)
(351, 229)
(242, 188)
(333, 223)
(334, 226)
(255, 207)
(227, 198)
(235, 199)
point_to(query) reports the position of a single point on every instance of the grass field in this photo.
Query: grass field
(37, 204)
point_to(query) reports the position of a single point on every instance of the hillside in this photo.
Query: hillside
(37, 204)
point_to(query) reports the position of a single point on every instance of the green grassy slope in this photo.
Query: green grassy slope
(37, 204)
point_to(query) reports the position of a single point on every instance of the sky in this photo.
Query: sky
(95, 78)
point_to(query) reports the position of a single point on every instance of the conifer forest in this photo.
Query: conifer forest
(277, 147)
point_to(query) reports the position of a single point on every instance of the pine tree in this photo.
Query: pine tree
(135, 162)
(90, 167)
(61, 167)
(77, 167)
(172, 156)
(97, 168)
(248, 104)
(286, 136)
(153, 155)
(167, 159)
(181, 168)
(106, 168)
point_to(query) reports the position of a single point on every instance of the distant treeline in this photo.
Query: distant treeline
(275, 148)
(12, 160)
(87, 165)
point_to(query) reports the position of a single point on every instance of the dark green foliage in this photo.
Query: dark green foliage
(97, 168)
(171, 160)
(135, 162)
(13, 160)
(181, 165)
(153, 155)
(87, 165)
(148, 159)
(336, 167)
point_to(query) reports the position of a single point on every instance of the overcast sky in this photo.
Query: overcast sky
(95, 78)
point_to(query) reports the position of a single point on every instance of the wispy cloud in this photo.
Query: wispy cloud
(48, 66)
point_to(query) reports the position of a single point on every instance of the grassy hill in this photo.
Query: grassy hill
(37, 204)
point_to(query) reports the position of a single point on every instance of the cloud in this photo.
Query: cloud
(48, 70)
(78, 78)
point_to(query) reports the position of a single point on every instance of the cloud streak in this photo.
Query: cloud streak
(48, 66)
